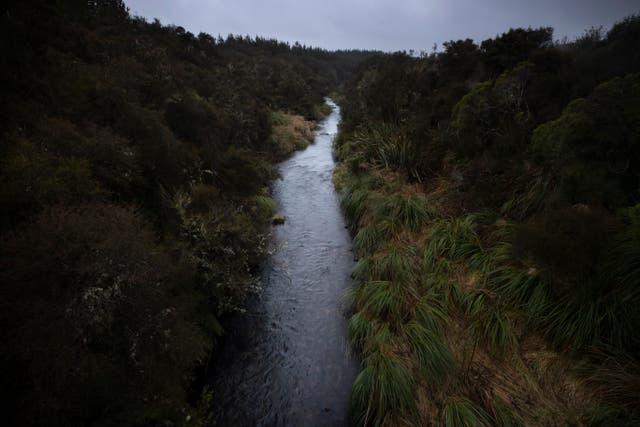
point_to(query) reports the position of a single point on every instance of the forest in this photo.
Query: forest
(134, 182)
(492, 189)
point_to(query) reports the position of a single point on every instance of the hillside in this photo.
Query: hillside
(134, 182)
(493, 190)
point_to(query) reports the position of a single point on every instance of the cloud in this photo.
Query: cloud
(382, 24)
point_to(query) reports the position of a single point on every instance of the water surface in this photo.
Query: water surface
(285, 362)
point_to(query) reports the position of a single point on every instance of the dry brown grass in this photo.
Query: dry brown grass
(522, 376)
(532, 379)
(291, 132)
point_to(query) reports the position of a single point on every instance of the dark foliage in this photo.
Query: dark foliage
(134, 172)
(540, 140)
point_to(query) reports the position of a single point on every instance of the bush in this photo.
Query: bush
(590, 148)
(32, 178)
(111, 331)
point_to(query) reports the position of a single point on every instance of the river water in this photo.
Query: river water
(285, 362)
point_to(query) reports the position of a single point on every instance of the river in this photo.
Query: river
(285, 362)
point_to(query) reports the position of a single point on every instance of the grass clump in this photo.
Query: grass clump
(382, 299)
(461, 412)
(410, 211)
(434, 357)
(504, 416)
(291, 132)
(369, 238)
(383, 391)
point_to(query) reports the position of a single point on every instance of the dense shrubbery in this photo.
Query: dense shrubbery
(134, 175)
(104, 307)
(494, 192)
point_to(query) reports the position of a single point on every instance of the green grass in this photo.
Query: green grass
(455, 239)
(429, 312)
(382, 392)
(504, 416)
(382, 299)
(435, 359)
(526, 289)
(385, 147)
(369, 238)
(265, 206)
(410, 211)
(354, 203)
(360, 329)
(395, 263)
(461, 412)
(497, 331)
(399, 301)
(362, 272)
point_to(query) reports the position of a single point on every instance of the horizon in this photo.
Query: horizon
(389, 27)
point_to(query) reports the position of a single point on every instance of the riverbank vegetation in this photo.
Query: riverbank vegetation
(135, 166)
(291, 132)
(493, 192)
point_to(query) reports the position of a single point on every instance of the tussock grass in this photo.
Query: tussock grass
(454, 238)
(396, 263)
(383, 391)
(525, 288)
(497, 331)
(291, 132)
(615, 375)
(369, 238)
(463, 282)
(429, 312)
(461, 412)
(472, 302)
(385, 147)
(362, 271)
(434, 357)
(265, 206)
(503, 416)
(383, 299)
(407, 210)
(360, 329)
(354, 203)
(606, 415)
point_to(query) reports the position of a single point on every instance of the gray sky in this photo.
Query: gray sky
(382, 24)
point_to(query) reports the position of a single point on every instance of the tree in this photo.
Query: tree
(516, 45)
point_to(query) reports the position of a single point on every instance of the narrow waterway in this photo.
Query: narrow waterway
(285, 362)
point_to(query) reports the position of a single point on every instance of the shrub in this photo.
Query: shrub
(113, 326)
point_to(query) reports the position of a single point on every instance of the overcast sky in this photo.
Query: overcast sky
(382, 24)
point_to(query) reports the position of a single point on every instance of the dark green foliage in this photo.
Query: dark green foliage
(592, 148)
(504, 416)
(434, 357)
(382, 392)
(32, 178)
(461, 412)
(115, 312)
(514, 46)
(541, 140)
(411, 211)
(108, 309)
(385, 147)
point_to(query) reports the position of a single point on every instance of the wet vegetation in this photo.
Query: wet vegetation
(492, 190)
(135, 166)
